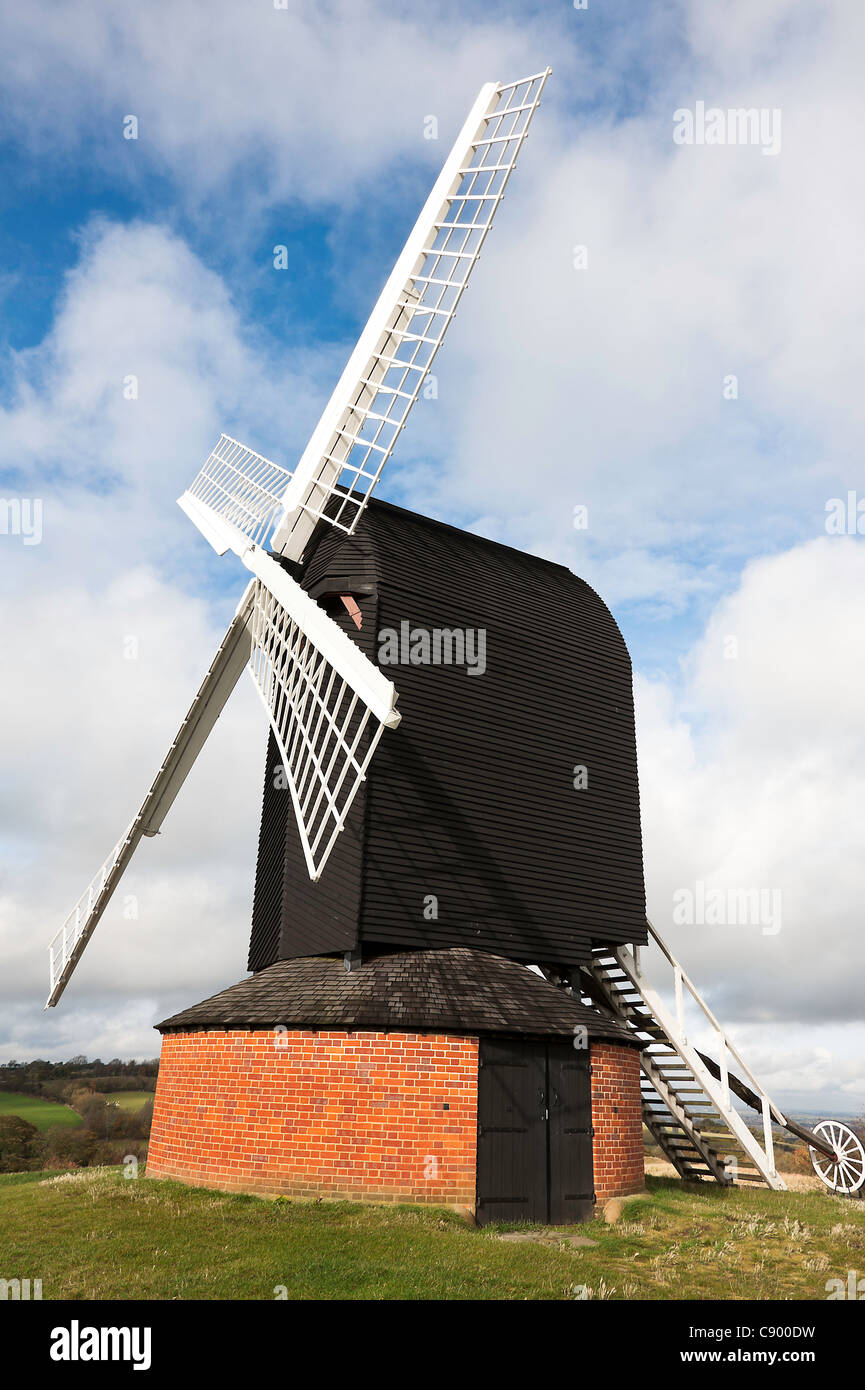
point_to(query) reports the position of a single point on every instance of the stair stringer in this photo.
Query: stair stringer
(670, 1100)
(666, 1032)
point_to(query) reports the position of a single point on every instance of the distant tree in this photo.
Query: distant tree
(20, 1145)
(69, 1148)
(55, 1090)
(78, 1095)
(143, 1120)
(101, 1118)
(40, 1077)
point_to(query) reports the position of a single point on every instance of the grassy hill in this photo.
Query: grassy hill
(92, 1234)
(44, 1114)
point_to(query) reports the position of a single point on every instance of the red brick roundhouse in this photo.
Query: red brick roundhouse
(418, 1023)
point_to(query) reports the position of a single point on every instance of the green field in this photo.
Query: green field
(44, 1114)
(128, 1100)
(92, 1234)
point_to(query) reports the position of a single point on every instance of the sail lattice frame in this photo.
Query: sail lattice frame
(240, 498)
(386, 373)
(325, 731)
(67, 944)
(236, 498)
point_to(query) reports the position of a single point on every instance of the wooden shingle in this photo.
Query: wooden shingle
(452, 991)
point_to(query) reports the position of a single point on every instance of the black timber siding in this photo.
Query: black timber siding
(270, 871)
(471, 798)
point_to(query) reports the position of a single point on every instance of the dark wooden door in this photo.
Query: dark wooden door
(534, 1132)
(570, 1106)
(512, 1131)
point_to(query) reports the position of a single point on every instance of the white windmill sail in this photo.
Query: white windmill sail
(326, 701)
(225, 671)
(327, 704)
(236, 498)
(356, 434)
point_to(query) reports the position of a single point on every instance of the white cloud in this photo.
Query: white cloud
(751, 777)
(139, 304)
(604, 386)
(108, 638)
(312, 99)
(815, 1071)
(92, 727)
(558, 386)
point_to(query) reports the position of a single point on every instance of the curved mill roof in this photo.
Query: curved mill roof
(459, 990)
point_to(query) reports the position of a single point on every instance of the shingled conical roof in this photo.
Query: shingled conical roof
(452, 991)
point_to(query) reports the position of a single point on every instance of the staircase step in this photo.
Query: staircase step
(687, 1124)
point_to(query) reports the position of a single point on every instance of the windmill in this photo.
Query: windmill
(321, 694)
(465, 794)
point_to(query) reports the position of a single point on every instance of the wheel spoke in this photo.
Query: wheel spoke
(846, 1172)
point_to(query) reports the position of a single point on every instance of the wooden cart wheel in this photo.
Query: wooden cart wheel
(845, 1173)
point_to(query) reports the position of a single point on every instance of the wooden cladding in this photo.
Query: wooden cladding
(470, 830)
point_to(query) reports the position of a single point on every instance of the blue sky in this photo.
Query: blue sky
(558, 387)
(342, 241)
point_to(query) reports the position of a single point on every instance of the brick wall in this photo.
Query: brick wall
(357, 1116)
(617, 1121)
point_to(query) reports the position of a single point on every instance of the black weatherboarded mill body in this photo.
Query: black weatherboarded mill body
(498, 827)
(503, 813)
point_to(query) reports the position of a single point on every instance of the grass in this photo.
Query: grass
(128, 1100)
(92, 1234)
(44, 1114)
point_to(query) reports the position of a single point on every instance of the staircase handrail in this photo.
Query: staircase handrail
(680, 978)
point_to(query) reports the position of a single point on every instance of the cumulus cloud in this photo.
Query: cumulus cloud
(146, 359)
(750, 773)
(311, 99)
(114, 623)
(604, 385)
(102, 681)
(560, 386)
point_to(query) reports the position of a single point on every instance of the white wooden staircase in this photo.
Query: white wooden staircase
(687, 1102)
